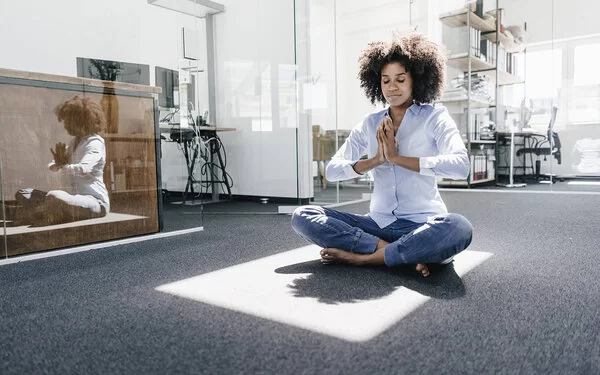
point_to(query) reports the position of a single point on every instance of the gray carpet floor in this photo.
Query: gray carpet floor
(532, 308)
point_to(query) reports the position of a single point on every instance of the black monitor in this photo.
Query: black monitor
(168, 80)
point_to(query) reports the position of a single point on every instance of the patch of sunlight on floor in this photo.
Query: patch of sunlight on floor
(258, 288)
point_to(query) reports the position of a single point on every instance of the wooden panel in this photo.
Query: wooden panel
(51, 78)
(30, 128)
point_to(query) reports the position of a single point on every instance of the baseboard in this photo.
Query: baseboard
(241, 198)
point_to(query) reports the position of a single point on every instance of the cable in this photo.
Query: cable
(208, 170)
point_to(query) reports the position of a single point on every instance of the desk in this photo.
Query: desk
(204, 143)
(528, 137)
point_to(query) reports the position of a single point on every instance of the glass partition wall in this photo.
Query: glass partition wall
(536, 127)
(560, 95)
(257, 101)
(189, 164)
(543, 115)
(237, 108)
(331, 95)
(81, 105)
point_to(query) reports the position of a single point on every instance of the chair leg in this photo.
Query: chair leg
(323, 176)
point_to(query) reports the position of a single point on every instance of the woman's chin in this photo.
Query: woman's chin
(397, 102)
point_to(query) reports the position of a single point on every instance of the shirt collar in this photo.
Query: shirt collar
(415, 108)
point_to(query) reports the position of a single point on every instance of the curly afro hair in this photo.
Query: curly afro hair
(82, 115)
(424, 59)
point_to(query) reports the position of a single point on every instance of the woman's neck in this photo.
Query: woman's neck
(397, 113)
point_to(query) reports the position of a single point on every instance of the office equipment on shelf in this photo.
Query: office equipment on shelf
(550, 145)
(483, 57)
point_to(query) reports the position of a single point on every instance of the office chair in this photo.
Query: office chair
(549, 145)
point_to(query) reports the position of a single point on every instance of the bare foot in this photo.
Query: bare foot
(333, 255)
(422, 269)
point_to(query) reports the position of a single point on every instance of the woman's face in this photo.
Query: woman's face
(71, 127)
(396, 85)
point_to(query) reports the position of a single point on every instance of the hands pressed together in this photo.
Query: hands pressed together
(387, 151)
(386, 140)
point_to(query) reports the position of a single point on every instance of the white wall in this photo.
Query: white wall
(47, 36)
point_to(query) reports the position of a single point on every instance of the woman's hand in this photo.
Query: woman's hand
(388, 139)
(380, 156)
(61, 155)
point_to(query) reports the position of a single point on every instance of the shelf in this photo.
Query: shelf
(461, 62)
(490, 179)
(458, 18)
(480, 66)
(463, 182)
(452, 182)
(475, 103)
(511, 109)
(490, 141)
(492, 33)
(509, 44)
(505, 78)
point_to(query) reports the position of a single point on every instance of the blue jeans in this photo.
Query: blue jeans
(438, 239)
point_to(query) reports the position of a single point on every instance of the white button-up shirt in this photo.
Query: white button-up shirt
(86, 169)
(425, 132)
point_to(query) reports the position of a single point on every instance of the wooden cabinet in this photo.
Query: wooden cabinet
(30, 128)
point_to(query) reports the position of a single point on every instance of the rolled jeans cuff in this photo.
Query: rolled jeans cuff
(365, 243)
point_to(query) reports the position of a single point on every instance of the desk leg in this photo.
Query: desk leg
(213, 175)
(511, 183)
(324, 179)
(224, 175)
(190, 163)
(187, 165)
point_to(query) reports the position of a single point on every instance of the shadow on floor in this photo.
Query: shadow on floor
(338, 283)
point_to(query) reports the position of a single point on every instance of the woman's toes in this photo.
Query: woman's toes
(422, 269)
(325, 256)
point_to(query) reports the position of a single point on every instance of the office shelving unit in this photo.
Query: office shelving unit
(472, 108)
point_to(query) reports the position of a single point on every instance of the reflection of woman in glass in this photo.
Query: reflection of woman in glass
(83, 161)
(408, 144)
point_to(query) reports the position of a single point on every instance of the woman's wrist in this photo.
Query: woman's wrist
(365, 165)
(411, 163)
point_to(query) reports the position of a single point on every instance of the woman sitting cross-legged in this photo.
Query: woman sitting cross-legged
(408, 145)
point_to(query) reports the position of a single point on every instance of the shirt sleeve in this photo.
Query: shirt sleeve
(340, 167)
(452, 160)
(93, 152)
